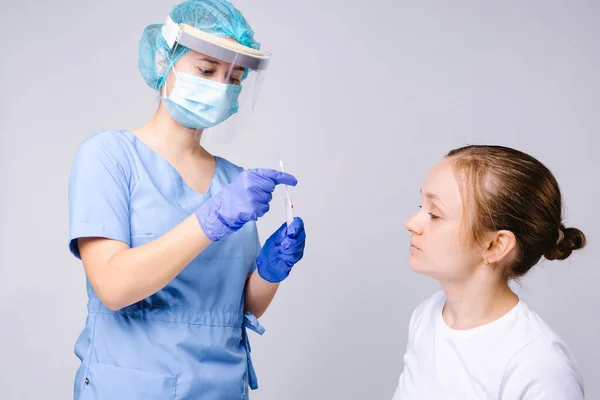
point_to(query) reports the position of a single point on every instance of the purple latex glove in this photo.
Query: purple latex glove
(245, 199)
(282, 251)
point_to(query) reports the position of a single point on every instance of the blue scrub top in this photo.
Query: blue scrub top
(187, 341)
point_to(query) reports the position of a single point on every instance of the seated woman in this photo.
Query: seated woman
(489, 214)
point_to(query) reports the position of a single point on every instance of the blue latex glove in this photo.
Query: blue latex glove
(245, 199)
(282, 251)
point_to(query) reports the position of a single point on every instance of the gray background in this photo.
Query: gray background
(360, 101)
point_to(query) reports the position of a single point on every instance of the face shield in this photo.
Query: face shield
(219, 94)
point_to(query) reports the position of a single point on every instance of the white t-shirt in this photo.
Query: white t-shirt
(517, 357)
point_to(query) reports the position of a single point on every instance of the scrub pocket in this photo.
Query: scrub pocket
(106, 382)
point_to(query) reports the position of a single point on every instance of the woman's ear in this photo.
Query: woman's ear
(498, 246)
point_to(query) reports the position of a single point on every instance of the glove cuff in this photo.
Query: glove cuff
(264, 271)
(211, 224)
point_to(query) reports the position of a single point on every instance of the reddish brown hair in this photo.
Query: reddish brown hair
(506, 189)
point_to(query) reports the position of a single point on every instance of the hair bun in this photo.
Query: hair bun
(572, 239)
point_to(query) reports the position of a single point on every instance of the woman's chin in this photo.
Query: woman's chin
(418, 265)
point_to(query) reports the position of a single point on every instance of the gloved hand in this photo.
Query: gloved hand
(281, 251)
(245, 199)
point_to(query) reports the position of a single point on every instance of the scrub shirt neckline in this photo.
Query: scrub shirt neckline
(185, 185)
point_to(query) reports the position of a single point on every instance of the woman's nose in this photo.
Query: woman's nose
(412, 224)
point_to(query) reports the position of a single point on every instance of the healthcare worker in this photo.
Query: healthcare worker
(166, 231)
(489, 213)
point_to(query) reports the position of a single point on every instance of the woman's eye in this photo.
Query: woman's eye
(431, 215)
(206, 71)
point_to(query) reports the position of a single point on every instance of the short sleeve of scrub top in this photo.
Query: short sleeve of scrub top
(99, 192)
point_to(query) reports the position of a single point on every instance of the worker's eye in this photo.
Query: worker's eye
(206, 72)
